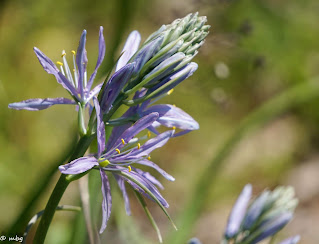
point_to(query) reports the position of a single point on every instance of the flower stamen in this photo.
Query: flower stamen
(118, 150)
(129, 168)
(149, 157)
(123, 142)
(138, 145)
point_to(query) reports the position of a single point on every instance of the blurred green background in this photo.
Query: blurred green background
(256, 50)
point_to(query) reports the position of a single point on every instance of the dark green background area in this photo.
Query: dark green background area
(255, 50)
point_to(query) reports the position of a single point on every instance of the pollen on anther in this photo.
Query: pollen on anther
(174, 127)
(138, 145)
(73, 52)
(129, 168)
(59, 63)
(170, 92)
(123, 142)
(118, 150)
(149, 157)
(63, 54)
(148, 134)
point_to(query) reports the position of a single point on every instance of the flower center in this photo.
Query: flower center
(104, 163)
(65, 70)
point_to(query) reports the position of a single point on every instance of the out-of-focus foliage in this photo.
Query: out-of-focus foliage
(256, 49)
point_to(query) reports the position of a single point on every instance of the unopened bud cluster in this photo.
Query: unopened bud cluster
(164, 60)
(262, 218)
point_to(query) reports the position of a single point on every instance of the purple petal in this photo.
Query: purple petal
(79, 165)
(130, 47)
(99, 59)
(291, 240)
(81, 61)
(150, 177)
(273, 226)
(156, 167)
(118, 130)
(152, 144)
(50, 68)
(175, 78)
(107, 200)
(115, 85)
(255, 210)
(171, 116)
(148, 185)
(94, 92)
(136, 128)
(39, 104)
(46, 63)
(146, 53)
(121, 184)
(238, 212)
(100, 127)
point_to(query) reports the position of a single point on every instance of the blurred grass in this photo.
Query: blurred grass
(267, 46)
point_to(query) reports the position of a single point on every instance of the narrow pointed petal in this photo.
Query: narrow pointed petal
(156, 167)
(129, 49)
(99, 58)
(50, 68)
(238, 212)
(94, 92)
(152, 144)
(46, 63)
(136, 128)
(121, 184)
(171, 116)
(146, 183)
(115, 85)
(100, 127)
(150, 177)
(81, 61)
(107, 200)
(78, 166)
(291, 240)
(39, 104)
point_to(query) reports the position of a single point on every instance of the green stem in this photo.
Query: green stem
(58, 191)
(290, 98)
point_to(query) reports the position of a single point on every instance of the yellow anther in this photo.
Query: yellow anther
(138, 145)
(63, 54)
(73, 52)
(73, 70)
(118, 150)
(174, 127)
(123, 142)
(129, 168)
(170, 92)
(149, 157)
(174, 105)
(104, 163)
(149, 134)
(59, 63)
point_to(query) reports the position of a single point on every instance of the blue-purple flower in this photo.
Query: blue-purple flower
(74, 81)
(263, 218)
(119, 157)
(169, 116)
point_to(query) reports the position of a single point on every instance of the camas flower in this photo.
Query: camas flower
(263, 218)
(169, 116)
(118, 158)
(78, 86)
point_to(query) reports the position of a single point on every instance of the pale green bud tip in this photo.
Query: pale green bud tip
(104, 163)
